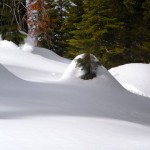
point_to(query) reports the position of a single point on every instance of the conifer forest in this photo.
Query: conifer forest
(117, 32)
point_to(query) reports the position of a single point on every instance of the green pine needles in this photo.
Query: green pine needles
(89, 65)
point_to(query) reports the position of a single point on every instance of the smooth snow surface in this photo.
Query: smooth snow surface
(40, 110)
(134, 77)
(29, 66)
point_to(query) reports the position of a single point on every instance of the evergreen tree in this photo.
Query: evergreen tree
(115, 31)
(98, 29)
(73, 18)
(60, 43)
(135, 36)
(132, 42)
(89, 65)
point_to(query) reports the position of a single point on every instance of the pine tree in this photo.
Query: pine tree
(115, 31)
(73, 18)
(60, 43)
(89, 65)
(135, 36)
(97, 30)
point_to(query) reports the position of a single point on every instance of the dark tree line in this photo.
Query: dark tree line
(12, 19)
(116, 31)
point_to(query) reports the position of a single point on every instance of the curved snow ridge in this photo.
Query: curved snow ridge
(134, 90)
(50, 55)
(31, 67)
(135, 75)
(12, 55)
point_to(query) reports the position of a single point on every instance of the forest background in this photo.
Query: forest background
(115, 31)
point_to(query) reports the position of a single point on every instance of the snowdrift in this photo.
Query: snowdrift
(66, 113)
(134, 77)
(29, 66)
(100, 97)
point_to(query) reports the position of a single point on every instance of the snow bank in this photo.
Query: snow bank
(29, 66)
(95, 114)
(69, 114)
(134, 77)
(74, 71)
(73, 74)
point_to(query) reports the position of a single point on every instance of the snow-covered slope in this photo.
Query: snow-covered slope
(66, 113)
(29, 66)
(134, 77)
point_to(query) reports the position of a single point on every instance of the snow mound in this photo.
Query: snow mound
(74, 73)
(29, 66)
(72, 70)
(133, 77)
(96, 114)
(8, 45)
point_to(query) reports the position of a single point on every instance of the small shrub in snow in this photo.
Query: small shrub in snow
(88, 64)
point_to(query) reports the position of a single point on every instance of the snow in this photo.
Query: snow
(44, 105)
(29, 66)
(73, 71)
(134, 77)
(28, 43)
(76, 134)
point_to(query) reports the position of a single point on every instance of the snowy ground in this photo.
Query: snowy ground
(40, 110)
(134, 77)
